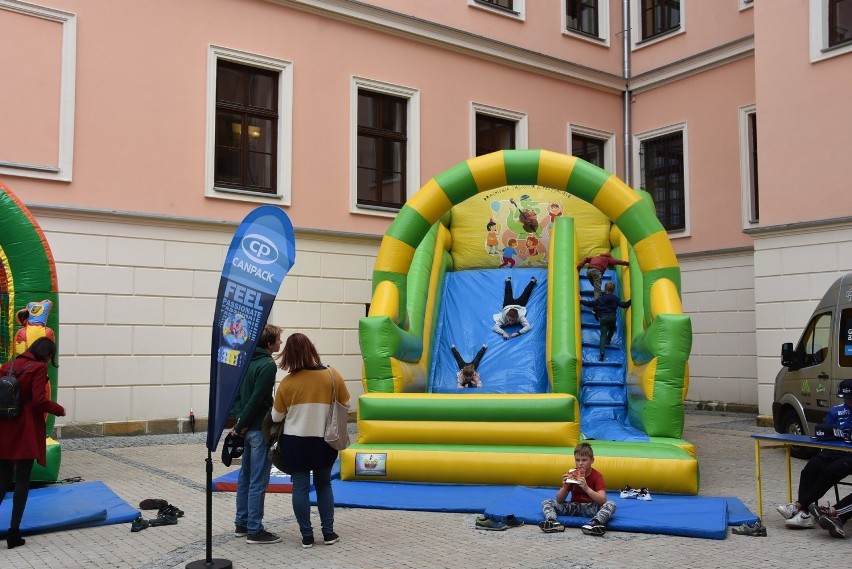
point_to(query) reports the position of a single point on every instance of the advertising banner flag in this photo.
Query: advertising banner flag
(262, 251)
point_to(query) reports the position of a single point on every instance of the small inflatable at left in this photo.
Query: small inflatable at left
(29, 301)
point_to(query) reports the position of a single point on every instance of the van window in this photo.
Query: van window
(845, 337)
(816, 340)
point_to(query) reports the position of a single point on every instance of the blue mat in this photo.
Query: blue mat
(670, 514)
(67, 506)
(279, 483)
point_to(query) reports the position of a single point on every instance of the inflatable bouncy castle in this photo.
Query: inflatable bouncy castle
(438, 282)
(29, 298)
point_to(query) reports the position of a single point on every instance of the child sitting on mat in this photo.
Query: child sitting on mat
(588, 496)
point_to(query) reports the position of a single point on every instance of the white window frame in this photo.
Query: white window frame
(603, 25)
(818, 27)
(63, 169)
(284, 155)
(747, 170)
(638, 139)
(745, 4)
(518, 11)
(412, 149)
(608, 138)
(636, 42)
(520, 119)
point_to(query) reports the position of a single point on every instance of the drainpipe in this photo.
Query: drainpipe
(628, 136)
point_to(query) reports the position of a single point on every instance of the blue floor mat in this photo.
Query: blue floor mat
(67, 506)
(279, 483)
(415, 497)
(670, 514)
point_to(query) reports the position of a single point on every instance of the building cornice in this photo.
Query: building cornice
(694, 64)
(41, 210)
(410, 27)
(800, 227)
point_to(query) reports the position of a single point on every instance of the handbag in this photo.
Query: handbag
(336, 432)
(272, 437)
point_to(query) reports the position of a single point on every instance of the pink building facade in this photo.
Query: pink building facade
(140, 133)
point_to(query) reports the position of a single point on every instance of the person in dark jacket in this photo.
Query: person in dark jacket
(606, 308)
(22, 438)
(253, 402)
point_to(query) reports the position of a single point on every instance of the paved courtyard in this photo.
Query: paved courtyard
(173, 467)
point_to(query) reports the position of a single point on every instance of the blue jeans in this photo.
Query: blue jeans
(252, 482)
(302, 501)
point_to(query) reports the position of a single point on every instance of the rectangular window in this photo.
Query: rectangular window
(754, 214)
(382, 149)
(246, 136)
(493, 134)
(504, 4)
(582, 16)
(839, 22)
(589, 149)
(659, 17)
(663, 174)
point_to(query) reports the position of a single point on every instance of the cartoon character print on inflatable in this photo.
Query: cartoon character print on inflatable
(34, 322)
(525, 214)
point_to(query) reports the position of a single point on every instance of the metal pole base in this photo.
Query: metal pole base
(212, 564)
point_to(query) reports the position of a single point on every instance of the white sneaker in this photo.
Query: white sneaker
(787, 511)
(800, 521)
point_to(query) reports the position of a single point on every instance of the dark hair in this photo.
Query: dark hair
(44, 350)
(299, 353)
(513, 313)
(268, 336)
(609, 287)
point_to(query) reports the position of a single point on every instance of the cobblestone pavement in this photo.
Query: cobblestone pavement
(173, 467)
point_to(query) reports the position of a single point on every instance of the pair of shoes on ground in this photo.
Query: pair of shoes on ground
(141, 523)
(327, 538)
(796, 518)
(485, 523)
(828, 520)
(754, 529)
(639, 494)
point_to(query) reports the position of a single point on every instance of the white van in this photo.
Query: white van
(806, 387)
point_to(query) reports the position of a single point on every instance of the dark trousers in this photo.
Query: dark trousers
(608, 322)
(844, 508)
(508, 297)
(22, 470)
(476, 359)
(822, 472)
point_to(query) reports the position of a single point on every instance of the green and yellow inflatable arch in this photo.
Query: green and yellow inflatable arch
(395, 336)
(27, 274)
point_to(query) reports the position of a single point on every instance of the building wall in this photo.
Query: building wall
(793, 267)
(718, 295)
(137, 298)
(139, 239)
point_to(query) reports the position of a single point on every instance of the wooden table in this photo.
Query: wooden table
(786, 441)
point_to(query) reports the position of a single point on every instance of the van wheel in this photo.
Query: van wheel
(791, 425)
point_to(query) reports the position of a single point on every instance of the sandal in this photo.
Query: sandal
(139, 524)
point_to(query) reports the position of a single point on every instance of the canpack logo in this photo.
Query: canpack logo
(259, 249)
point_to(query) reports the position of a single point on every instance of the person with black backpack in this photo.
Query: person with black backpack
(22, 433)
